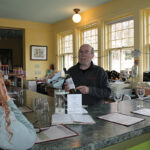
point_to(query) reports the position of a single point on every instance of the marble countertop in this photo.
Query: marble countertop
(99, 135)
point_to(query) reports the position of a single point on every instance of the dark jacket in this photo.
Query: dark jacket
(96, 79)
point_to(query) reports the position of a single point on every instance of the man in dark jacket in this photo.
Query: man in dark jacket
(90, 80)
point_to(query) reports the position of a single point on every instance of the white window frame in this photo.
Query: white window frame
(61, 54)
(146, 48)
(86, 29)
(108, 49)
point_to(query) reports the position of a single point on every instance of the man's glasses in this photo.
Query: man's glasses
(84, 52)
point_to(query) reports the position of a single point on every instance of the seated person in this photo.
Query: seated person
(16, 132)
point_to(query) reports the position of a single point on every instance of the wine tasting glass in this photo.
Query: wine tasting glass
(38, 109)
(118, 97)
(140, 93)
(45, 113)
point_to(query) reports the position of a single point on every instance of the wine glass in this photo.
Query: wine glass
(38, 110)
(118, 97)
(45, 113)
(140, 93)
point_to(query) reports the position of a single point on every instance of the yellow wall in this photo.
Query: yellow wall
(35, 34)
(46, 34)
(105, 13)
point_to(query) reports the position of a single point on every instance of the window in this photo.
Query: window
(65, 56)
(120, 44)
(89, 35)
(147, 39)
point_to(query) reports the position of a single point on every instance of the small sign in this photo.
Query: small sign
(74, 103)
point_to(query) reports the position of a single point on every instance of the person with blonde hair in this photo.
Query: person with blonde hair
(16, 132)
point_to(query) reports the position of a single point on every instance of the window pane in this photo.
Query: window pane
(113, 44)
(68, 61)
(90, 36)
(118, 43)
(65, 58)
(121, 32)
(113, 27)
(125, 33)
(131, 32)
(131, 24)
(118, 26)
(95, 59)
(121, 35)
(125, 25)
(113, 36)
(130, 41)
(115, 60)
(127, 60)
(121, 60)
(124, 42)
(67, 44)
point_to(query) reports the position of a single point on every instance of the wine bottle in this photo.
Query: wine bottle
(70, 83)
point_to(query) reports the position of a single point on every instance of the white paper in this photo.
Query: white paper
(82, 111)
(61, 119)
(143, 111)
(54, 133)
(74, 103)
(71, 119)
(25, 109)
(121, 119)
(82, 118)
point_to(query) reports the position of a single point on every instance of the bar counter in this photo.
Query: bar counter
(102, 135)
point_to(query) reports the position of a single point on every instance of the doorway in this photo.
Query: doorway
(11, 47)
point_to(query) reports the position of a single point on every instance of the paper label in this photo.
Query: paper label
(74, 103)
(70, 83)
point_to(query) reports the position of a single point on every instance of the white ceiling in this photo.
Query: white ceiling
(46, 11)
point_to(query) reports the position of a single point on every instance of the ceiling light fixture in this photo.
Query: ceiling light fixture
(76, 17)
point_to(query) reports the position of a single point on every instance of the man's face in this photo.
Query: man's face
(85, 55)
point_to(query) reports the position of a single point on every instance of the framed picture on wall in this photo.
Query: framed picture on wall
(38, 52)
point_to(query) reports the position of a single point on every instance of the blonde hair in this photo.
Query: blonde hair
(4, 104)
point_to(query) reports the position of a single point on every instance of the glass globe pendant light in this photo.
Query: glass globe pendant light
(76, 17)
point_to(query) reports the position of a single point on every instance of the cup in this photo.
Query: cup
(42, 112)
(45, 113)
(20, 97)
(118, 97)
(60, 101)
(140, 93)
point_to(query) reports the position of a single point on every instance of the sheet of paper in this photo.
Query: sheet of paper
(61, 119)
(121, 119)
(25, 109)
(74, 103)
(85, 119)
(71, 119)
(143, 111)
(82, 111)
(55, 133)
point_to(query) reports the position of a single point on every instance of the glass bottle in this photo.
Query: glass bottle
(70, 83)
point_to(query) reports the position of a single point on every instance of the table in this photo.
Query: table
(102, 135)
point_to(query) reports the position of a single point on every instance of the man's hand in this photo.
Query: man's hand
(83, 89)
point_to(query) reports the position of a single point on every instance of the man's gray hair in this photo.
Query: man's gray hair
(92, 49)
